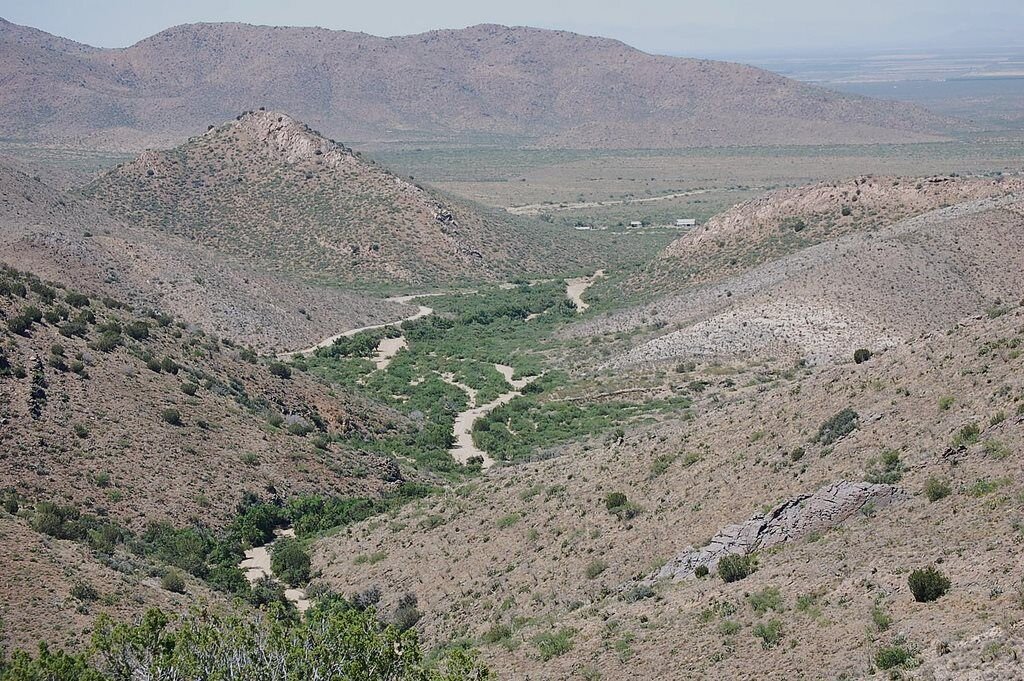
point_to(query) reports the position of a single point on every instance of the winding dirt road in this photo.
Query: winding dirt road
(421, 311)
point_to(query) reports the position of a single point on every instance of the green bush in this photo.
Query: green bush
(552, 644)
(887, 470)
(838, 427)
(173, 581)
(171, 416)
(138, 330)
(84, 591)
(769, 632)
(595, 568)
(928, 584)
(735, 567)
(280, 370)
(968, 435)
(75, 299)
(290, 562)
(861, 355)
(894, 656)
(619, 506)
(770, 598)
(935, 489)
(701, 571)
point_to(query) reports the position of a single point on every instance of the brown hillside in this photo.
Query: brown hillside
(267, 189)
(785, 220)
(549, 88)
(542, 574)
(84, 394)
(67, 239)
(875, 288)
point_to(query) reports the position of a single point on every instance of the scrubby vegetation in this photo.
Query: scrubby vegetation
(735, 567)
(928, 584)
(333, 641)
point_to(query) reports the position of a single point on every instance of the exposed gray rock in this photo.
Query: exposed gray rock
(797, 518)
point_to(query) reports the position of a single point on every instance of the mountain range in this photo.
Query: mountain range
(482, 84)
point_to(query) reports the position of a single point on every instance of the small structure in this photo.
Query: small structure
(686, 222)
(636, 224)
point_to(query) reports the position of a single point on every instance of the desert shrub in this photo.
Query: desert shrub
(290, 562)
(189, 389)
(73, 328)
(846, 211)
(171, 416)
(595, 568)
(280, 370)
(769, 632)
(84, 591)
(661, 464)
(107, 342)
(945, 402)
(22, 322)
(153, 364)
(887, 470)
(928, 584)
(735, 567)
(496, 634)
(75, 299)
(365, 599)
(881, 618)
(701, 571)
(407, 613)
(861, 355)
(838, 427)
(554, 643)
(769, 598)
(638, 593)
(138, 330)
(619, 506)
(169, 365)
(173, 581)
(968, 435)
(936, 488)
(894, 656)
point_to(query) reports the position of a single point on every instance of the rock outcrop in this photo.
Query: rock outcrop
(797, 518)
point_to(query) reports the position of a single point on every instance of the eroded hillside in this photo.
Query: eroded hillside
(68, 239)
(269, 190)
(879, 285)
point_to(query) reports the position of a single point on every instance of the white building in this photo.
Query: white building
(635, 224)
(686, 222)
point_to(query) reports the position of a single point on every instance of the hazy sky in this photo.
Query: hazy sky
(695, 27)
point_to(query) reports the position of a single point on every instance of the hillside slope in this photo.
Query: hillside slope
(543, 571)
(269, 190)
(878, 286)
(65, 238)
(548, 88)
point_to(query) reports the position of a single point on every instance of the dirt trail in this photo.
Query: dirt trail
(386, 351)
(421, 311)
(256, 566)
(574, 289)
(464, 448)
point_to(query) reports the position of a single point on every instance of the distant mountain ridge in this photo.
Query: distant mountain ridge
(483, 83)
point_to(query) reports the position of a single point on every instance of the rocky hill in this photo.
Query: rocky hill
(879, 285)
(69, 239)
(531, 86)
(785, 220)
(269, 190)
